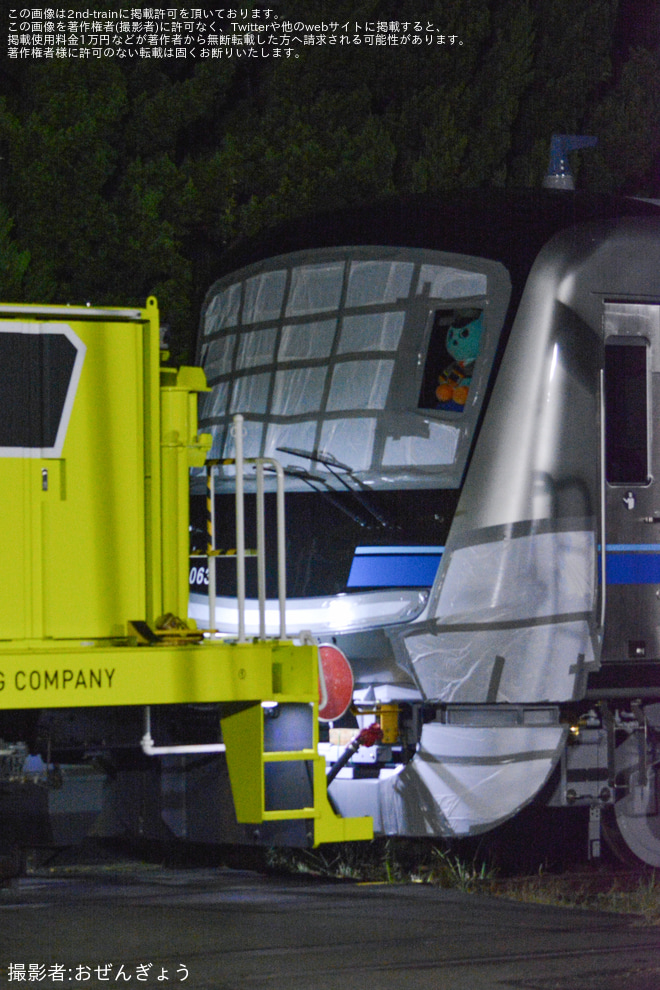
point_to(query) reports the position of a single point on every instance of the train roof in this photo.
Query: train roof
(503, 225)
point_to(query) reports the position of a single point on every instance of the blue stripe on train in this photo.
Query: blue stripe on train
(633, 564)
(414, 567)
(394, 567)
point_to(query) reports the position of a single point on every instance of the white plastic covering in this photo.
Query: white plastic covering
(530, 576)
(252, 436)
(263, 296)
(315, 288)
(298, 391)
(350, 441)
(224, 309)
(217, 356)
(300, 434)
(250, 394)
(515, 665)
(487, 643)
(372, 282)
(439, 447)
(371, 332)
(360, 385)
(301, 341)
(214, 403)
(256, 348)
(316, 343)
(442, 282)
(462, 781)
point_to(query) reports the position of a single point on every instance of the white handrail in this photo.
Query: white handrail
(281, 541)
(261, 550)
(260, 462)
(240, 526)
(210, 546)
(603, 508)
(149, 749)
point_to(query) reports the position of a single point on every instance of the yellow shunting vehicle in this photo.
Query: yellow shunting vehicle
(97, 437)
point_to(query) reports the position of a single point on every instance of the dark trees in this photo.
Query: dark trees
(117, 181)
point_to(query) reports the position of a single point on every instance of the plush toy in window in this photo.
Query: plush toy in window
(462, 343)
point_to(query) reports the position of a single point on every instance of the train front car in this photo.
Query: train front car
(438, 404)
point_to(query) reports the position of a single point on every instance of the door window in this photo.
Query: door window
(626, 411)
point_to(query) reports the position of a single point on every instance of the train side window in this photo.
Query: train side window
(626, 411)
(453, 348)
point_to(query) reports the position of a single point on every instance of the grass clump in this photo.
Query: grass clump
(399, 861)
(622, 893)
(451, 871)
(391, 860)
(365, 862)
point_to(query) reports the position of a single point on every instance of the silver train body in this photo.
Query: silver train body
(490, 566)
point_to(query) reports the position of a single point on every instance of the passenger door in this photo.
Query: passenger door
(630, 478)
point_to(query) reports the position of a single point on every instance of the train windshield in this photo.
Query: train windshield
(373, 358)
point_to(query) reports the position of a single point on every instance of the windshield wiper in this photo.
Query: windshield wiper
(328, 493)
(330, 461)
